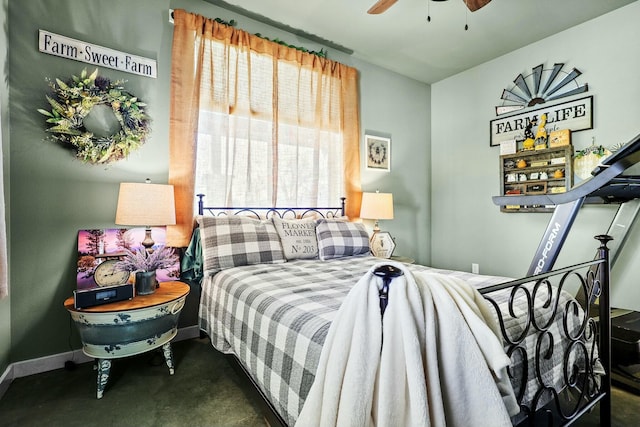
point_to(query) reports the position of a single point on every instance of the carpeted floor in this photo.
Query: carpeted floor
(205, 391)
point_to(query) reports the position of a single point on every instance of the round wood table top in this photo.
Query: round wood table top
(167, 291)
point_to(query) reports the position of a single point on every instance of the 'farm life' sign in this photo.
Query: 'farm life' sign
(573, 115)
(65, 47)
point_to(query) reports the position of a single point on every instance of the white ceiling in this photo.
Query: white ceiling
(403, 41)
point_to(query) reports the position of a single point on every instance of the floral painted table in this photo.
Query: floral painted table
(127, 328)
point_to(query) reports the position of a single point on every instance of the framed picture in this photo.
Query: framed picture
(104, 246)
(378, 152)
(382, 244)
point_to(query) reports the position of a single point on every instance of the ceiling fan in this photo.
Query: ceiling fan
(382, 5)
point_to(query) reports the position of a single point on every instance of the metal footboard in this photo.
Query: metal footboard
(586, 362)
(581, 346)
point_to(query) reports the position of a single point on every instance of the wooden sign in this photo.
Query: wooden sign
(573, 115)
(65, 47)
(559, 138)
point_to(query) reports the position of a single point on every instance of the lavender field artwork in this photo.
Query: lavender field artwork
(97, 246)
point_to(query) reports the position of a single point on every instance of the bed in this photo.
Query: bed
(271, 310)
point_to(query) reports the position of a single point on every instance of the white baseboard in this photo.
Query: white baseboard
(56, 361)
(5, 381)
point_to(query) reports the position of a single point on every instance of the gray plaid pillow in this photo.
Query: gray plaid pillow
(340, 238)
(233, 241)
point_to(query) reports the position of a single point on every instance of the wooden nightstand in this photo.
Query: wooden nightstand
(126, 328)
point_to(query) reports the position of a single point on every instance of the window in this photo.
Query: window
(263, 124)
(276, 144)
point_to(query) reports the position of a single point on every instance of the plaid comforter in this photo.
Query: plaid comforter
(275, 318)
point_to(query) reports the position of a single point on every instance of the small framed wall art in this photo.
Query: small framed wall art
(378, 152)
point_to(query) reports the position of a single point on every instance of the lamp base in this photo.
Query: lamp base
(148, 241)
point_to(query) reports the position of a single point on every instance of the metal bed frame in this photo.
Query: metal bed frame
(262, 212)
(615, 181)
(586, 384)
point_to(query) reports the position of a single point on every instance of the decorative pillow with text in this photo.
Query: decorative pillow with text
(298, 237)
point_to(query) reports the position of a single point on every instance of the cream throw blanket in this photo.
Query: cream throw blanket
(441, 362)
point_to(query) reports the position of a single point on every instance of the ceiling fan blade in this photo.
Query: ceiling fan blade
(474, 5)
(381, 6)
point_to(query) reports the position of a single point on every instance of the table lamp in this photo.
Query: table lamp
(378, 206)
(146, 204)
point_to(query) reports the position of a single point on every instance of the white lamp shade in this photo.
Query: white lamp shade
(146, 204)
(377, 206)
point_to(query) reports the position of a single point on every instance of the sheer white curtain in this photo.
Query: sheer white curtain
(279, 142)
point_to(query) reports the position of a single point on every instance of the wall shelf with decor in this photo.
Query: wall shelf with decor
(547, 171)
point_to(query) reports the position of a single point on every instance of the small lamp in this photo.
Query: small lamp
(146, 204)
(378, 206)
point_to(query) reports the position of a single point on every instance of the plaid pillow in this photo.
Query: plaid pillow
(340, 238)
(298, 237)
(232, 241)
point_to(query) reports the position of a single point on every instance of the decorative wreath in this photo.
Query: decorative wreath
(96, 117)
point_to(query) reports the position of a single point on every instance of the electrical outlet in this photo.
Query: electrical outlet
(475, 268)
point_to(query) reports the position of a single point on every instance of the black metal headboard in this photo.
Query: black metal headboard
(284, 212)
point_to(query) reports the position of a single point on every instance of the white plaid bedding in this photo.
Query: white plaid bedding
(275, 318)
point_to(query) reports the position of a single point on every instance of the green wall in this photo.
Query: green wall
(388, 110)
(467, 227)
(443, 172)
(53, 195)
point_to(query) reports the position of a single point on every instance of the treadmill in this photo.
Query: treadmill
(615, 181)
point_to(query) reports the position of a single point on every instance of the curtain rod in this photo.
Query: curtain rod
(272, 23)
